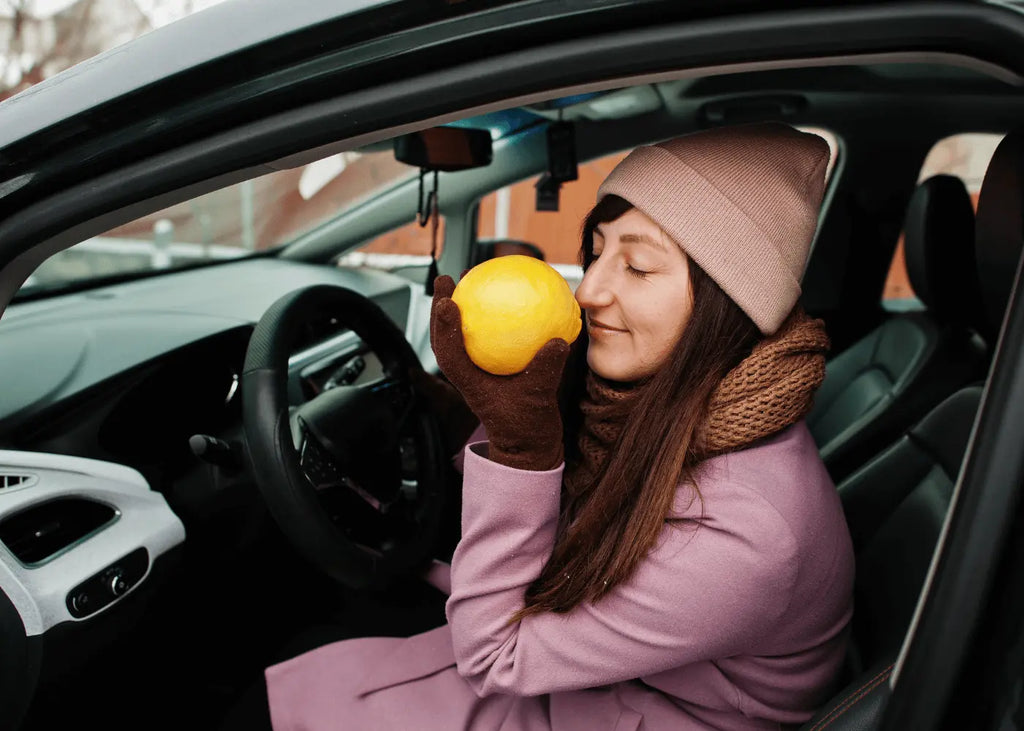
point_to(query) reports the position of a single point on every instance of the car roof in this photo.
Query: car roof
(342, 85)
(184, 52)
(188, 43)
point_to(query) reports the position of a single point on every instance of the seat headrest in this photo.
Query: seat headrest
(999, 229)
(939, 241)
(493, 248)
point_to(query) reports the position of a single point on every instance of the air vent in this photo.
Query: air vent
(9, 479)
(43, 531)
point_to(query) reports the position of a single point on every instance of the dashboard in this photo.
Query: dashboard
(60, 347)
(105, 389)
(129, 373)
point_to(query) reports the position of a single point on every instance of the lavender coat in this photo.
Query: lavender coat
(739, 624)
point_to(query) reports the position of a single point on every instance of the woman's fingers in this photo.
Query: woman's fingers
(446, 340)
(445, 323)
(444, 287)
(547, 365)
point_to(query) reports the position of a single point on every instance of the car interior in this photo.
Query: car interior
(161, 371)
(902, 368)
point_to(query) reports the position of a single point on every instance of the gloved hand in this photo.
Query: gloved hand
(520, 412)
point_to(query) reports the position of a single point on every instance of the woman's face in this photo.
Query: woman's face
(636, 296)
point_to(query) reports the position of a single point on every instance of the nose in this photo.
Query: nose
(595, 290)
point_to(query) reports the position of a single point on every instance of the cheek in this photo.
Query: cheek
(663, 325)
(656, 318)
(654, 350)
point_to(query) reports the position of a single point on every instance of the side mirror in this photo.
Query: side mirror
(445, 149)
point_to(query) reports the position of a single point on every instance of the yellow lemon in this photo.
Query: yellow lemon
(510, 307)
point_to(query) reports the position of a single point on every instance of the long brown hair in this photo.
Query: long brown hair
(606, 530)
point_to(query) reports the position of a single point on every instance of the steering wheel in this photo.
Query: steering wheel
(355, 477)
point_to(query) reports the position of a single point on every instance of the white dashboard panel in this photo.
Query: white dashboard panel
(143, 520)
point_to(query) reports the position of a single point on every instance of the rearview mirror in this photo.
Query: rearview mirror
(445, 149)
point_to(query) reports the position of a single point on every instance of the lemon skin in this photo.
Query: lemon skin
(511, 306)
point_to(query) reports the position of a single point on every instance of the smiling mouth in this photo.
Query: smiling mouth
(601, 327)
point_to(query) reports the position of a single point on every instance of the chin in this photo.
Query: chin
(613, 367)
(608, 369)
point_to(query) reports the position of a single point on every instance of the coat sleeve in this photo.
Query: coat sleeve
(704, 592)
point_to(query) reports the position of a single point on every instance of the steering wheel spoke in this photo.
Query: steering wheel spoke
(318, 466)
(325, 474)
(395, 394)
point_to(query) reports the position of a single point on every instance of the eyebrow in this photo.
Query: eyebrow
(634, 239)
(641, 239)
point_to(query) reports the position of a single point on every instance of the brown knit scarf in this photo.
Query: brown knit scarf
(768, 391)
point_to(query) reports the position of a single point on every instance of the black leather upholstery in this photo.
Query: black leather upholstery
(859, 706)
(875, 389)
(895, 507)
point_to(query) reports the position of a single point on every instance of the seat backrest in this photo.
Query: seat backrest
(878, 387)
(896, 505)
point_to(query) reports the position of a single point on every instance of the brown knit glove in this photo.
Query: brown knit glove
(519, 412)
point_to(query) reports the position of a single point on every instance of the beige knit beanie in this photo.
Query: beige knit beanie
(742, 202)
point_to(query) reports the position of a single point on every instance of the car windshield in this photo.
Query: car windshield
(240, 220)
(253, 216)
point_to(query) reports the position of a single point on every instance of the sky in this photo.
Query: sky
(159, 12)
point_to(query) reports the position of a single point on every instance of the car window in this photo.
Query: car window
(510, 214)
(252, 216)
(401, 248)
(964, 155)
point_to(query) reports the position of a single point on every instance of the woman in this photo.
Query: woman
(684, 562)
